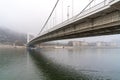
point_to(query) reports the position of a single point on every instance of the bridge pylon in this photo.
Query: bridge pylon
(30, 36)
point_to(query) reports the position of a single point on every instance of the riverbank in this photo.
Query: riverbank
(56, 47)
(79, 47)
(10, 46)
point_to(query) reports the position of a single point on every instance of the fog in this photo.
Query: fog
(28, 16)
(24, 15)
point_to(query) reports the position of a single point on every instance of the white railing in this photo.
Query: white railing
(88, 11)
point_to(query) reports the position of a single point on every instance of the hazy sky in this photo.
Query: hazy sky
(24, 15)
(30, 15)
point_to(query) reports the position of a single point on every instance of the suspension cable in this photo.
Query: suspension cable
(48, 17)
(54, 9)
(85, 8)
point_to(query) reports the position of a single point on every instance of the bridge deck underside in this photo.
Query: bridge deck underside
(96, 32)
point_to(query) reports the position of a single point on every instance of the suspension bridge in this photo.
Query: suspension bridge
(102, 18)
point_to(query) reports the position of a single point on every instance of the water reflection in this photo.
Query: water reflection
(54, 71)
(78, 64)
(60, 64)
(15, 64)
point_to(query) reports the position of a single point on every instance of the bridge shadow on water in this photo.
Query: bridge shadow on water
(54, 71)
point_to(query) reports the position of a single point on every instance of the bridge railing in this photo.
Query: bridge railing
(64, 11)
(85, 13)
(88, 11)
(81, 15)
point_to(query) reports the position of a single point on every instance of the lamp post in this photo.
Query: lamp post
(68, 12)
(62, 10)
(72, 7)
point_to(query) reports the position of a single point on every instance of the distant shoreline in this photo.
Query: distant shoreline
(10, 46)
(60, 47)
(80, 47)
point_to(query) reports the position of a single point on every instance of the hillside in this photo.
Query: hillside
(8, 36)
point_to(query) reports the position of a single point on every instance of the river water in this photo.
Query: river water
(60, 64)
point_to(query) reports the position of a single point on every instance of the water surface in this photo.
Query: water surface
(60, 64)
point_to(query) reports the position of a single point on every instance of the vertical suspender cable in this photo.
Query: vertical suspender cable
(85, 7)
(48, 17)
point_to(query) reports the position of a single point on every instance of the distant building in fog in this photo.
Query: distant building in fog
(112, 44)
(102, 44)
(77, 43)
(97, 44)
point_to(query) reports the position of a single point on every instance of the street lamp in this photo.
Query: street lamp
(68, 12)
(72, 7)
